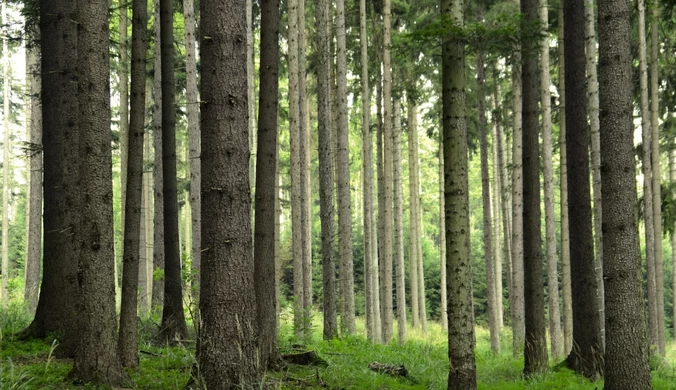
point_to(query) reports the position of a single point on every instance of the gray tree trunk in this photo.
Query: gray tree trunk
(442, 238)
(397, 198)
(414, 230)
(672, 178)
(626, 358)
(4, 292)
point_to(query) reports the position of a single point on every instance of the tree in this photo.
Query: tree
(266, 162)
(397, 199)
(34, 137)
(626, 357)
(442, 239)
(173, 320)
(672, 179)
(96, 358)
(158, 179)
(343, 176)
(550, 223)
(128, 340)
(486, 209)
(325, 168)
(4, 293)
(414, 230)
(461, 341)
(228, 315)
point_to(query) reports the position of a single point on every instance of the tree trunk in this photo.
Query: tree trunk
(593, 111)
(323, 35)
(586, 355)
(461, 341)
(228, 316)
(550, 223)
(96, 358)
(343, 175)
(397, 198)
(128, 340)
(655, 163)
(494, 328)
(565, 238)
(146, 250)
(414, 230)
(442, 239)
(378, 259)
(123, 6)
(266, 162)
(173, 319)
(193, 141)
(386, 273)
(648, 211)
(367, 158)
(34, 205)
(421, 273)
(626, 358)
(158, 179)
(672, 179)
(4, 292)
(495, 216)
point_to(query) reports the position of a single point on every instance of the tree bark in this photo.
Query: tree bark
(228, 315)
(442, 238)
(4, 292)
(158, 179)
(397, 198)
(626, 358)
(123, 7)
(378, 256)
(173, 319)
(672, 179)
(34, 205)
(266, 162)
(492, 309)
(550, 223)
(343, 175)
(96, 358)
(461, 341)
(495, 216)
(146, 250)
(128, 340)
(414, 230)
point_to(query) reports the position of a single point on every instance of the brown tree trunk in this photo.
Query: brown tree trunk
(227, 312)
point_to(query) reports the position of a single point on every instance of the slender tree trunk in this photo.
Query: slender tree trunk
(397, 198)
(414, 230)
(442, 238)
(128, 340)
(626, 358)
(173, 319)
(34, 205)
(648, 211)
(228, 315)
(461, 341)
(593, 111)
(343, 176)
(386, 275)
(672, 178)
(123, 8)
(565, 238)
(4, 292)
(194, 151)
(655, 163)
(367, 158)
(495, 216)
(378, 259)
(421, 273)
(494, 328)
(278, 235)
(158, 179)
(145, 267)
(96, 358)
(550, 223)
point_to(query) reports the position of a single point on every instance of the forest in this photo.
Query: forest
(347, 194)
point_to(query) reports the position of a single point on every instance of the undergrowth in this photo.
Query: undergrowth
(32, 364)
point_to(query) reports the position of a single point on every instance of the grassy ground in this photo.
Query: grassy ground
(32, 365)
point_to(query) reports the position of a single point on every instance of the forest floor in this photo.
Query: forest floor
(32, 365)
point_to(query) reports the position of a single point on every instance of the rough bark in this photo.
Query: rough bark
(626, 358)
(565, 232)
(227, 344)
(34, 205)
(347, 323)
(96, 358)
(173, 319)
(461, 341)
(397, 199)
(194, 151)
(128, 340)
(158, 180)
(648, 211)
(492, 309)
(4, 292)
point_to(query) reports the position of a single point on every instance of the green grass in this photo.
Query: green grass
(32, 365)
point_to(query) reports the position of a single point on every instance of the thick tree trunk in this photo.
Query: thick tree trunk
(34, 204)
(397, 198)
(128, 340)
(493, 325)
(266, 179)
(228, 314)
(96, 358)
(158, 179)
(194, 150)
(461, 341)
(648, 211)
(347, 323)
(550, 223)
(173, 319)
(4, 292)
(626, 358)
